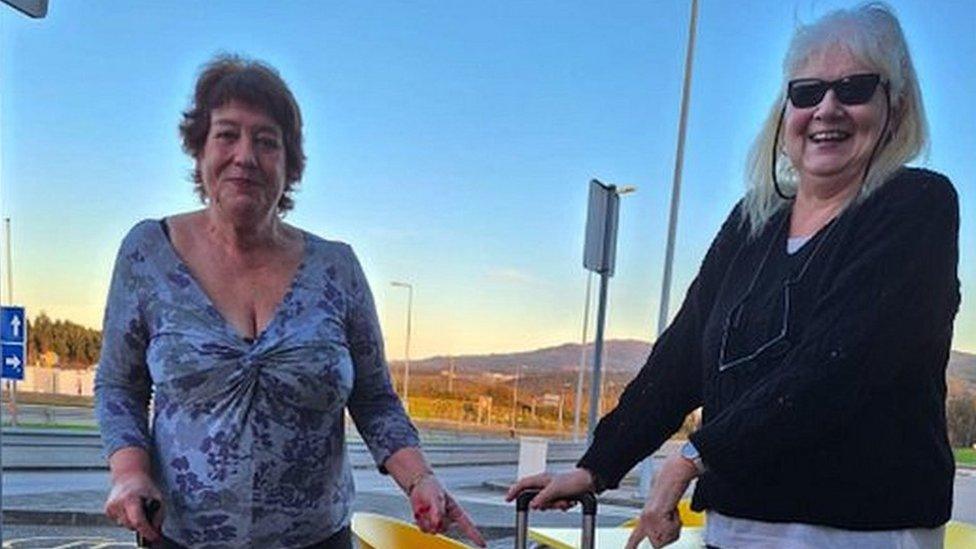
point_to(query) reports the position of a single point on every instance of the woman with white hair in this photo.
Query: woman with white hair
(816, 334)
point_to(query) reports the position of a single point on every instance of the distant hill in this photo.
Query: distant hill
(620, 355)
(963, 366)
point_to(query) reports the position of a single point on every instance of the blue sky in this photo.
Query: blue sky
(449, 142)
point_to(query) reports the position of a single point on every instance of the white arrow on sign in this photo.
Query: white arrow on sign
(12, 361)
(15, 324)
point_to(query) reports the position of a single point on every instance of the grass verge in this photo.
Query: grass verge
(965, 456)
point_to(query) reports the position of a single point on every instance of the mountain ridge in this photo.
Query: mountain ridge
(620, 355)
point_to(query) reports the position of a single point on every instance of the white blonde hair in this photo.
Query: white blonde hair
(872, 34)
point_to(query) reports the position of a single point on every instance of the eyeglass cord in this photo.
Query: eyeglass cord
(735, 312)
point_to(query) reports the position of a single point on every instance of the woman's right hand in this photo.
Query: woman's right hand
(124, 504)
(557, 491)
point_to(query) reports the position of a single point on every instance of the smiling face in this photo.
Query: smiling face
(830, 143)
(243, 163)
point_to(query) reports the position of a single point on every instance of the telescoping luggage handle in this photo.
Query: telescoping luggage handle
(149, 507)
(588, 501)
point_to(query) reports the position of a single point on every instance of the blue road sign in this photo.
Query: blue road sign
(13, 361)
(13, 324)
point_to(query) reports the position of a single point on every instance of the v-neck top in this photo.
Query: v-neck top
(247, 436)
(164, 225)
(762, 320)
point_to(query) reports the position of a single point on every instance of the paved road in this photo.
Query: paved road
(74, 537)
(374, 493)
(79, 487)
(463, 464)
(64, 537)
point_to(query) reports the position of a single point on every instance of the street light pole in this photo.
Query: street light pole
(647, 466)
(450, 377)
(11, 384)
(518, 373)
(10, 270)
(406, 351)
(36, 9)
(578, 402)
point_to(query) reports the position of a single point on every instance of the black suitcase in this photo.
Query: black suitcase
(588, 501)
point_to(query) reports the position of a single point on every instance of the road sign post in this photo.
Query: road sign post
(13, 330)
(599, 256)
(13, 325)
(13, 361)
(13, 336)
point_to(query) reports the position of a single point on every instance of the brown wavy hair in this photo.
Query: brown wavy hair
(230, 77)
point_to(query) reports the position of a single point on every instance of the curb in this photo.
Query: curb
(55, 518)
(53, 468)
(52, 431)
(88, 468)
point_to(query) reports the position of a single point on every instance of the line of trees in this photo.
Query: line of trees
(961, 413)
(61, 343)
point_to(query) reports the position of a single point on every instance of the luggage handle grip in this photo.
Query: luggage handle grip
(587, 499)
(149, 508)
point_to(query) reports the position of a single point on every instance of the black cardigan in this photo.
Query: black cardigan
(843, 423)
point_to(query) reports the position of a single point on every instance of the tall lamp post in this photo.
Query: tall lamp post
(11, 383)
(518, 374)
(578, 402)
(36, 9)
(406, 351)
(647, 466)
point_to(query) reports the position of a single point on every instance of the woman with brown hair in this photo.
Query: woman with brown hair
(252, 337)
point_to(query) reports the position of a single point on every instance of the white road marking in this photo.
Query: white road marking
(50, 542)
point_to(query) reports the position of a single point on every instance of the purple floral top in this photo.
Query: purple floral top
(247, 436)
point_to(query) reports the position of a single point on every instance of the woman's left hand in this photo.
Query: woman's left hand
(434, 510)
(659, 520)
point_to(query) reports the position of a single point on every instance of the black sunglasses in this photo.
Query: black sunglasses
(856, 89)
